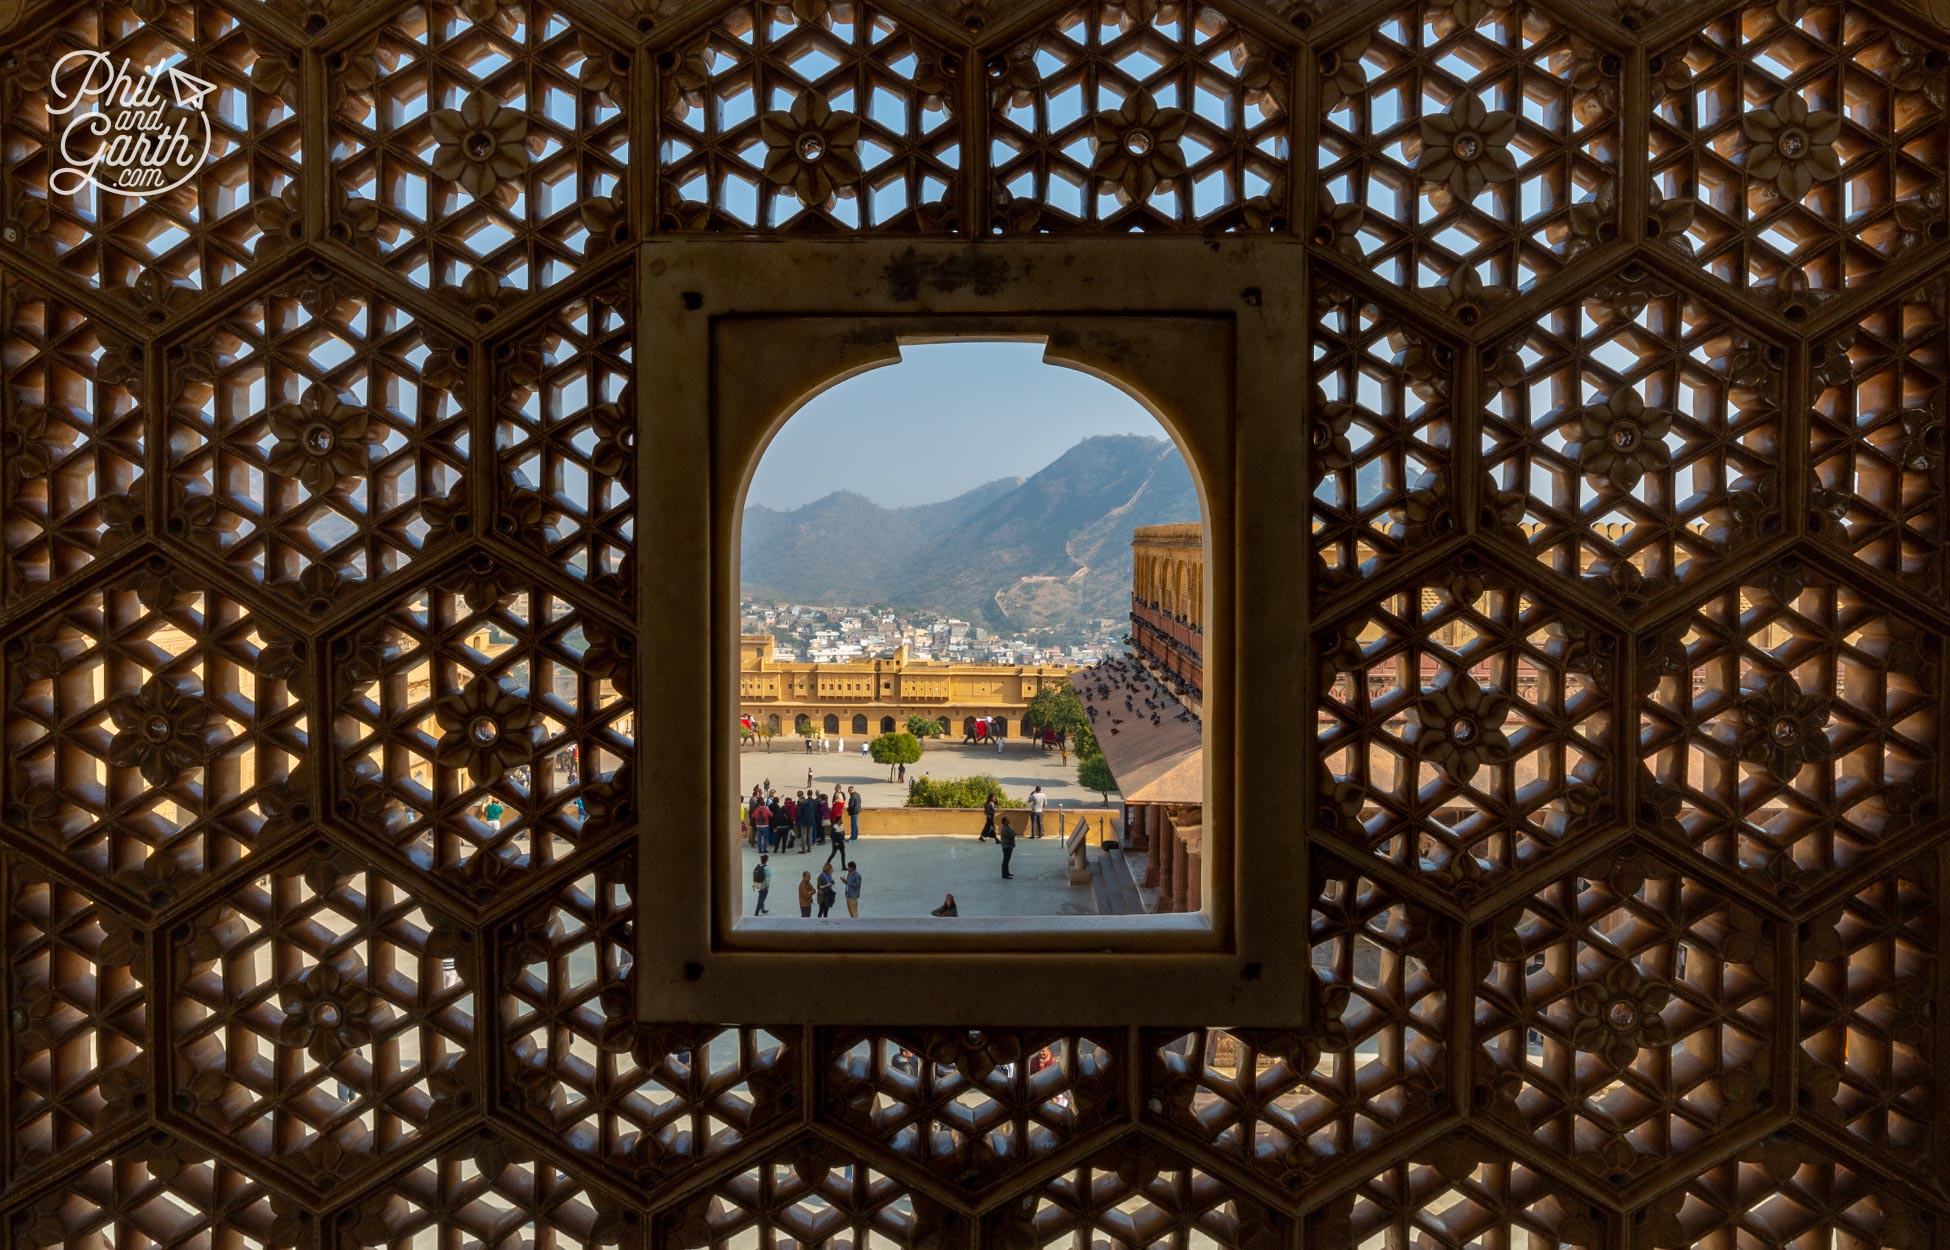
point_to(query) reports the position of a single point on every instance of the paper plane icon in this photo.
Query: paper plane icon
(188, 88)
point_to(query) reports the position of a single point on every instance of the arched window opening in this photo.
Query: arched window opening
(973, 544)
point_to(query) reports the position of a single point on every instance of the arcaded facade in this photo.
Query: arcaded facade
(857, 698)
(1168, 605)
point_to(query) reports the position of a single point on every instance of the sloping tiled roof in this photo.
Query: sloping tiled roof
(1153, 763)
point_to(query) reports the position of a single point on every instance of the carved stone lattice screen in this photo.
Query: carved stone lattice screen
(1622, 806)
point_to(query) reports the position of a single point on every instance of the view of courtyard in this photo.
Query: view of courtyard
(983, 701)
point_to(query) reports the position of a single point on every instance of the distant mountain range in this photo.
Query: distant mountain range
(1050, 550)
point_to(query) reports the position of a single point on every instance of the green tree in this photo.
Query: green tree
(922, 727)
(1058, 707)
(894, 749)
(1093, 773)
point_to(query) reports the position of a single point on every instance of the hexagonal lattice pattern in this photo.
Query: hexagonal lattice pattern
(1643, 432)
(323, 1017)
(973, 1104)
(348, 426)
(1882, 469)
(1805, 143)
(811, 1193)
(483, 725)
(1132, 115)
(71, 431)
(1868, 1005)
(1372, 1065)
(565, 435)
(154, 731)
(480, 148)
(1381, 427)
(488, 1191)
(649, 1101)
(312, 432)
(820, 115)
(1788, 726)
(160, 1190)
(80, 1019)
(1624, 1015)
(1464, 727)
(1467, 149)
(1135, 1193)
(155, 253)
(1461, 1191)
(1781, 1191)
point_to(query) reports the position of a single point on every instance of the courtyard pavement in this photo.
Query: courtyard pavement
(907, 876)
(1018, 766)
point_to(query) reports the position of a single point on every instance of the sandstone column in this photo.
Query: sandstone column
(1161, 855)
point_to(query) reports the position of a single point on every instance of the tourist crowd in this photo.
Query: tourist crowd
(773, 822)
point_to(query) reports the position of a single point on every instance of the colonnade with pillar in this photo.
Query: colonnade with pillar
(1171, 836)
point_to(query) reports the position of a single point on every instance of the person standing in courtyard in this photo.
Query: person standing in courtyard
(988, 818)
(836, 837)
(787, 813)
(1008, 839)
(824, 813)
(761, 817)
(809, 809)
(826, 892)
(903, 774)
(1036, 803)
(853, 890)
(805, 893)
(853, 812)
(762, 882)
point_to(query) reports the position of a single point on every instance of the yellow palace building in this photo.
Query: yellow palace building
(876, 696)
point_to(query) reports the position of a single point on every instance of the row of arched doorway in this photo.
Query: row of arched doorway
(888, 724)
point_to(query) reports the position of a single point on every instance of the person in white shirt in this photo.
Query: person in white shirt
(1036, 804)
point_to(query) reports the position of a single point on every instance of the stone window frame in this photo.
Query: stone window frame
(1206, 331)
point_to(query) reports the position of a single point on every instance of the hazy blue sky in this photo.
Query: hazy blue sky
(948, 417)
